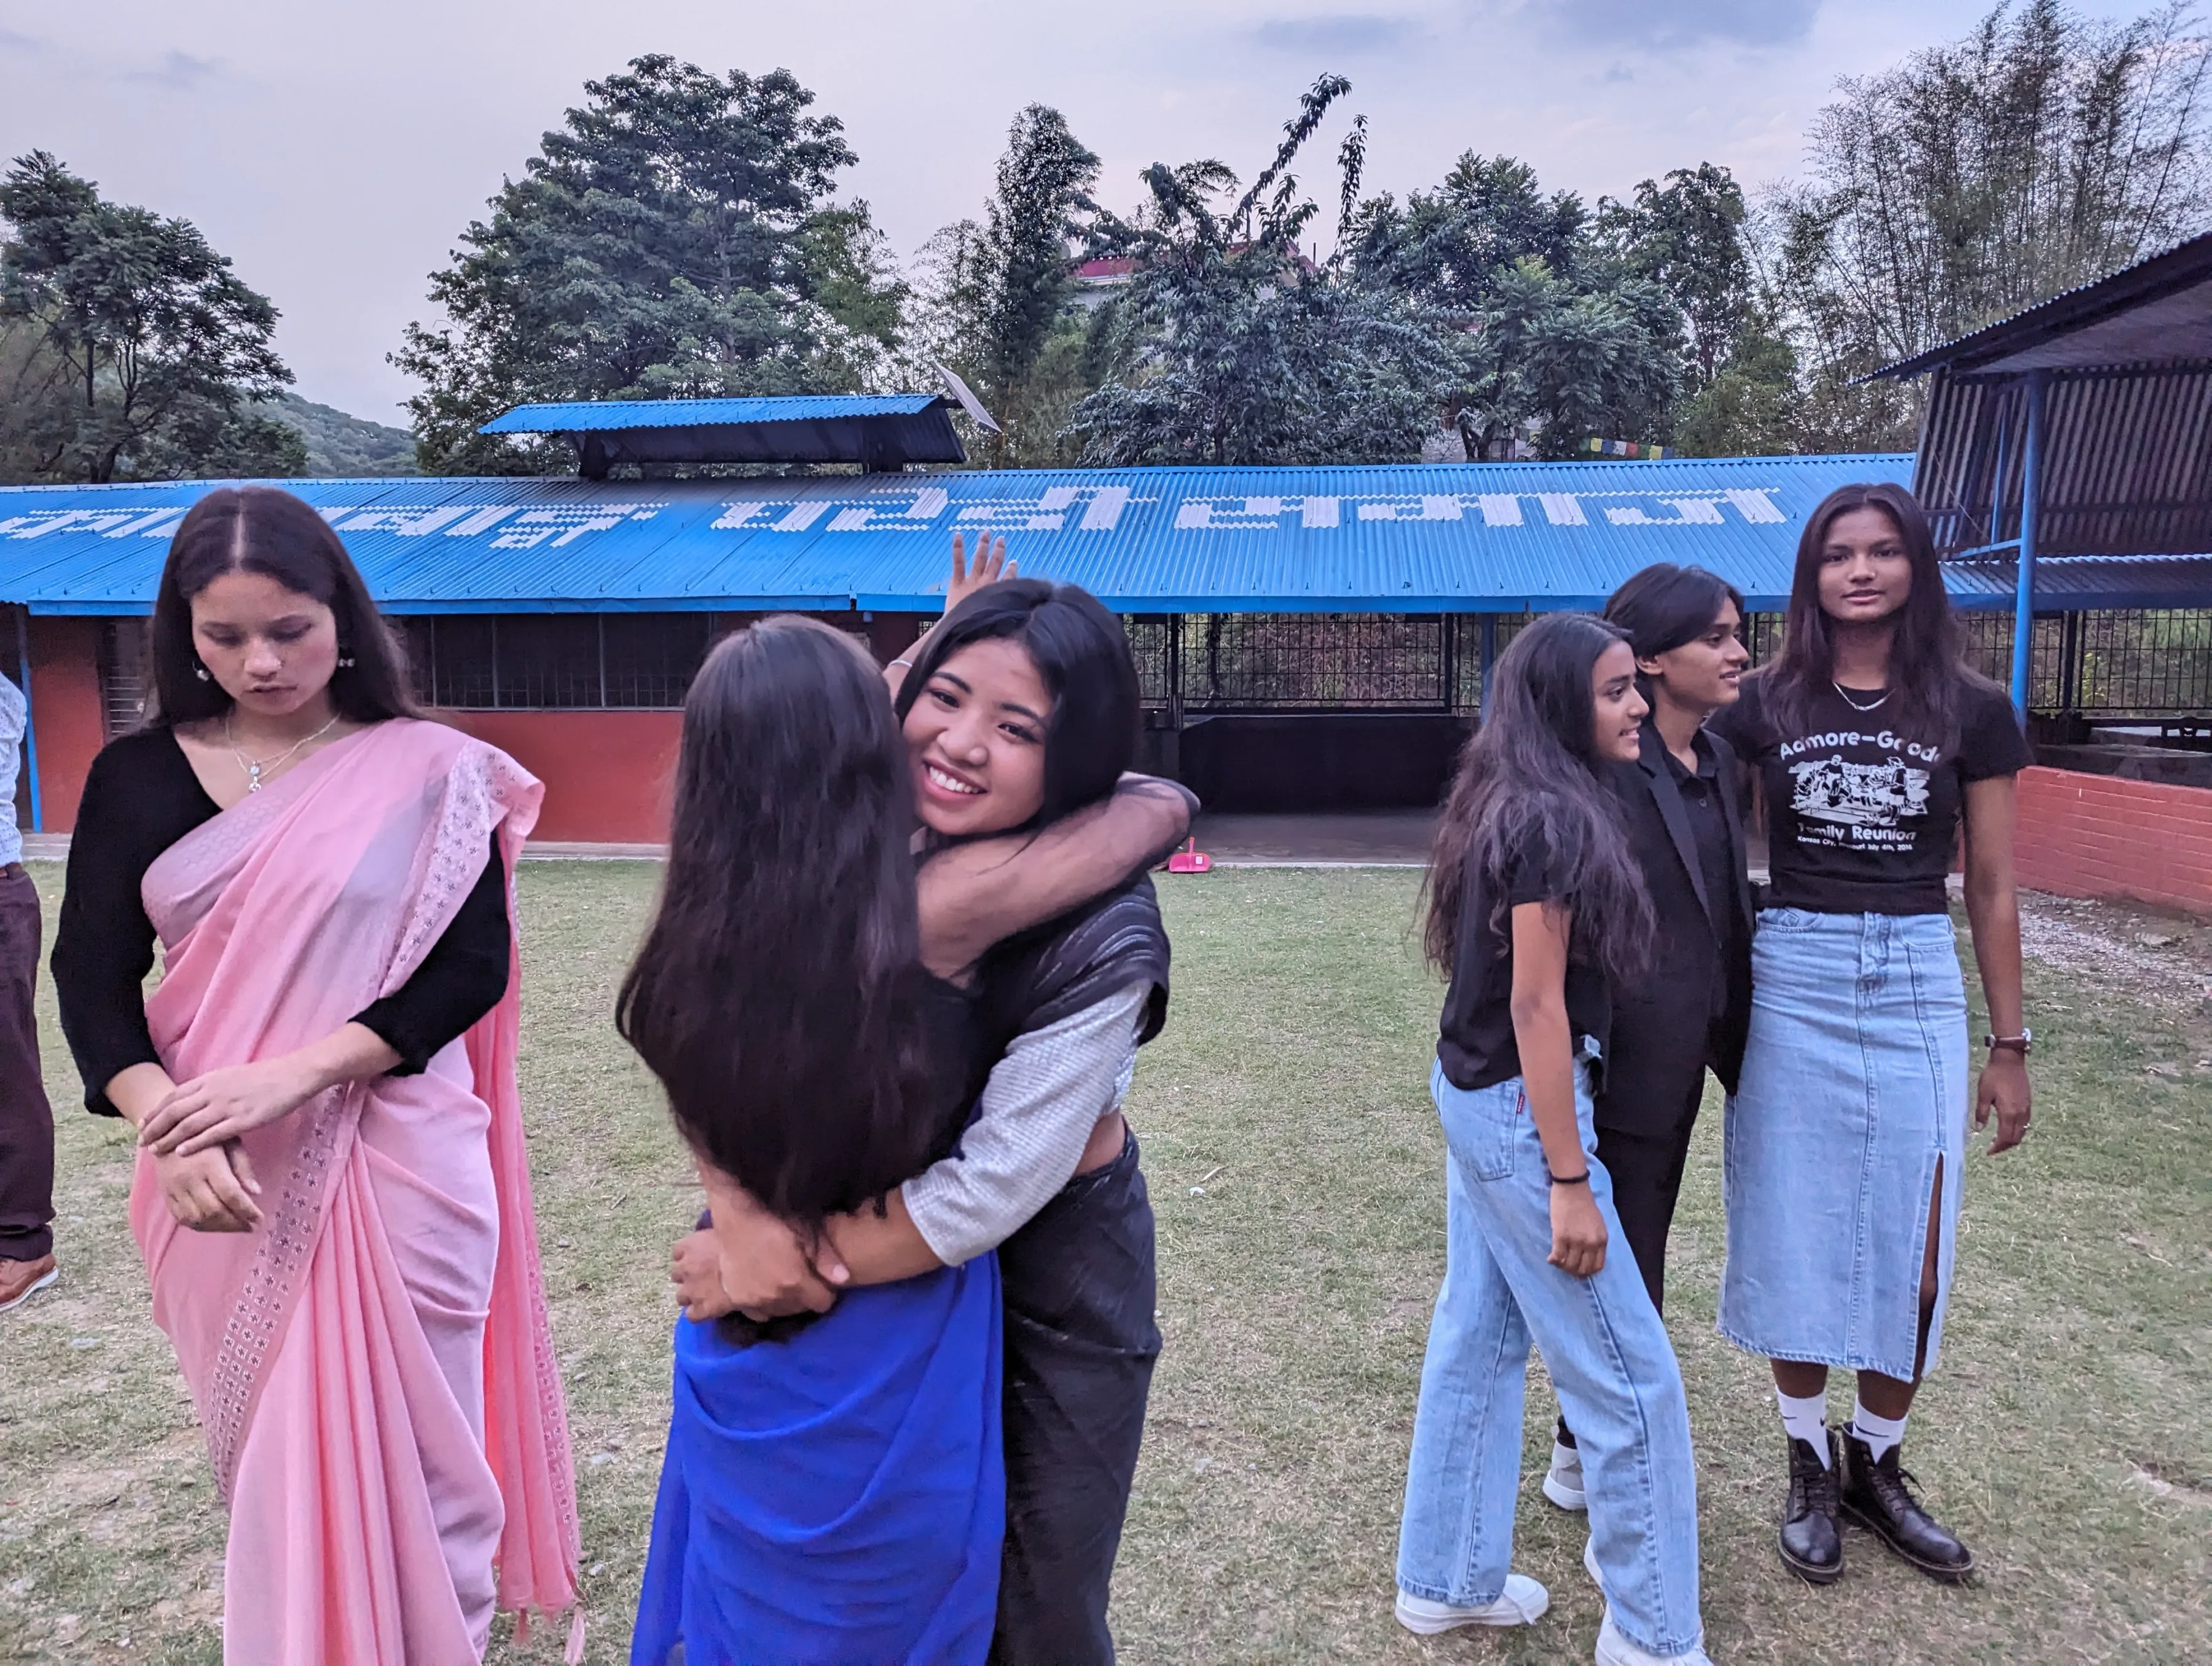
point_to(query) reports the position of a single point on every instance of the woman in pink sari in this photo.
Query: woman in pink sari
(332, 1195)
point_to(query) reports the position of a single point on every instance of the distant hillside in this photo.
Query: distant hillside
(346, 447)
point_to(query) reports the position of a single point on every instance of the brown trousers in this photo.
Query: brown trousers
(27, 1121)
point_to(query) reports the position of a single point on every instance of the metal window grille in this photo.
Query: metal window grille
(559, 662)
(123, 670)
(549, 660)
(648, 659)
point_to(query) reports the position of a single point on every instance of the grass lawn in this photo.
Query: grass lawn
(1296, 1167)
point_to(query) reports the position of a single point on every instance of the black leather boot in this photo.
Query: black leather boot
(1875, 1496)
(1811, 1545)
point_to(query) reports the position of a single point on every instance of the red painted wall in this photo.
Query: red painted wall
(607, 774)
(65, 709)
(2099, 836)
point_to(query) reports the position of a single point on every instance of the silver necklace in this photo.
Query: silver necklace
(255, 769)
(1845, 695)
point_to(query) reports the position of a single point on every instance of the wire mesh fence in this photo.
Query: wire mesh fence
(2137, 664)
(2111, 664)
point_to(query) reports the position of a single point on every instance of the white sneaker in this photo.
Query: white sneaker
(1563, 1482)
(1589, 1564)
(1615, 1650)
(1522, 1602)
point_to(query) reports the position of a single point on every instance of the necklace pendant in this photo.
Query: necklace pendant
(253, 778)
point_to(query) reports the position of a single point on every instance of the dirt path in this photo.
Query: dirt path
(2163, 959)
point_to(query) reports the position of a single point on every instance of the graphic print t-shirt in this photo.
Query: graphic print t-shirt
(1863, 810)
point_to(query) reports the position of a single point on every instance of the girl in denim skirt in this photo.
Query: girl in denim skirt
(1873, 747)
(1537, 909)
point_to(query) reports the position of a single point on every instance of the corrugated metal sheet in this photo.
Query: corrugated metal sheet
(1470, 537)
(2067, 584)
(2156, 309)
(600, 415)
(2127, 462)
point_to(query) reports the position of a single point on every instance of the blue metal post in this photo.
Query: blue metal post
(2031, 482)
(30, 723)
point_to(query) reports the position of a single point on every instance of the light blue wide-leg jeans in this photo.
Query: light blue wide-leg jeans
(1609, 1360)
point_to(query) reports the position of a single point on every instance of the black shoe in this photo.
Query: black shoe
(1875, 1496)
(1811, 1544)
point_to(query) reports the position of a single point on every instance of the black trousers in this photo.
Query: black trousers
(27, 1121)
(1080, 1289)
(1646, 1172)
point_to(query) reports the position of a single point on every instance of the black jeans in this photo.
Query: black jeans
(1079, 1282)
(27, 1121)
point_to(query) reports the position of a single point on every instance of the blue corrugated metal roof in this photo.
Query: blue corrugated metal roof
(1465, 537)
(601, 416)
(2070, 583)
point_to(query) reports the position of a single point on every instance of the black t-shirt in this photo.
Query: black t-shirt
(140, 798)
(1863, 810)
(1476, 1045)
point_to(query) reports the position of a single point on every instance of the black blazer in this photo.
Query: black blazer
(1661, 1041)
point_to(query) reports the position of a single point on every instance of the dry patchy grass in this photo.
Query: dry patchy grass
(1296, 1167)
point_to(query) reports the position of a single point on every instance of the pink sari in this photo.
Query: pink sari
(372, 1366)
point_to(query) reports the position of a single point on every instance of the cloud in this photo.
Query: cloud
(12, 42)
(180, 72)
(1347, 33)
(1684, 23)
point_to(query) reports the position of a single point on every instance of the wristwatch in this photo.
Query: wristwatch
(2020, 1043)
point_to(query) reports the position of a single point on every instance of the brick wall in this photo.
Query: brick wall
(2100, 835)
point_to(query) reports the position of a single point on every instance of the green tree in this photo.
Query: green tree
(1556, 337)
(1453, 245)
(998, 293)
(2043, 151)
(675, 238)
(1231, 346)
(1687, 236)
(1548, 364)
(161, 347)
(1751, 407)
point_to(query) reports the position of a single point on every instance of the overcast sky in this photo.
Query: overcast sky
(335, 152)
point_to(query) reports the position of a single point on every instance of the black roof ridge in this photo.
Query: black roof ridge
(2149, 279)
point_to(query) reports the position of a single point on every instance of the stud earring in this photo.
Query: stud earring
(200, 673)
(345, 660)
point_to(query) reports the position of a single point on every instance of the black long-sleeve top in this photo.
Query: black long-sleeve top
(140, 798)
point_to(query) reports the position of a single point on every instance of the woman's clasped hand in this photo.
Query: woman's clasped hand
(216, 1107)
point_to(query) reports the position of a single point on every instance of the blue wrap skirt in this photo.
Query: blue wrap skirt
(838, 1497)
(1853, 1099)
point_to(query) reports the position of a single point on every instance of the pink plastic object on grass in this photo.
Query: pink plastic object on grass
(1190, 859)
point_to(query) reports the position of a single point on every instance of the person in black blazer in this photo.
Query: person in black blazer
(1683, 802)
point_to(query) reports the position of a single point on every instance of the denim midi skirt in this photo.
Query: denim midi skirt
(1853, 1099)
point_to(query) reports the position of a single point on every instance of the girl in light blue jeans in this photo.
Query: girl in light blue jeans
(1536, 910)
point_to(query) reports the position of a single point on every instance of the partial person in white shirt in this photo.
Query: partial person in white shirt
(27, 1121)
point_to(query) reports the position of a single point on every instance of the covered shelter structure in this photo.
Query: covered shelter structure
(1307, 638)
(2066, 455)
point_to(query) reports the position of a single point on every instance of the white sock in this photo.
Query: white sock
(1806, 1418)
(1879, 1433)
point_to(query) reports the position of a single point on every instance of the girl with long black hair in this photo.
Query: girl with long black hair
(1019, 716)
(832, 1489)
(1537, 911)
(1874, 747)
